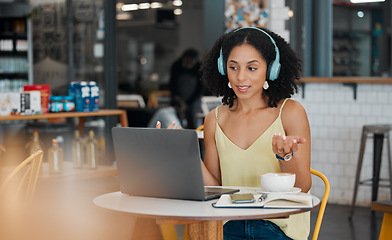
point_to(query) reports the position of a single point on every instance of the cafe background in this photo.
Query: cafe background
(131, 51)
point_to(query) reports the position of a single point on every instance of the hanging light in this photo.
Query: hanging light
(156, 5)
(366, 1)
(177, 11)
(177, 3)
(129, 7)
(144, 5)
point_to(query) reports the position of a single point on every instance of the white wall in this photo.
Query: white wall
(336, 121)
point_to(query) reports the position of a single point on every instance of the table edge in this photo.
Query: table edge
(207, 218)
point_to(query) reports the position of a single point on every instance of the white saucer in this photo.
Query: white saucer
(293, 190)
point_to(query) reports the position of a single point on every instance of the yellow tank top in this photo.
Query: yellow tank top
(242, 167)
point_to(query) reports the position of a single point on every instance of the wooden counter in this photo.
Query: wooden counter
(70, 173)
(347, 81)
(122, 116)
(81, 115)
(378, 80)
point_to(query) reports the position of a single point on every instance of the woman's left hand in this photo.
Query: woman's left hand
(282, 145)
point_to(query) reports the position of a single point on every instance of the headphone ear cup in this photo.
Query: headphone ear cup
(273, 70)
(221, 65)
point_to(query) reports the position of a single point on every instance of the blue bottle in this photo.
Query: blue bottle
(94, 96)
(82, 97)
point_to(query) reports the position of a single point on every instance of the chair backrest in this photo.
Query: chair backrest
(159, 98)
(23, 177)
(209, 102)
(130, 100)
(323, 202)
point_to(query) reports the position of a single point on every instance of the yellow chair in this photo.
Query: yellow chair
(168, 231)
(16, 195)
(199, 128)
(323, 204)
(24, 176)
(384, 206)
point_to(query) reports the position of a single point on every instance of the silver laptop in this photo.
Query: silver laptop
(161, 163)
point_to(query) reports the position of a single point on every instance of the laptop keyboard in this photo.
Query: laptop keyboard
(211, 193)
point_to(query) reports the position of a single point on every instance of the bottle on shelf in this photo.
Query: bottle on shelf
(55, 155)
(77, 150)
(91, 151)
(35, 144)
(101, 149)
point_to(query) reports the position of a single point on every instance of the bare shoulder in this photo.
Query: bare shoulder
(222, 112)
(294, 117)
(293, 108)
(210, 118)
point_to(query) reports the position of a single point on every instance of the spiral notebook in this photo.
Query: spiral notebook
(294, 201)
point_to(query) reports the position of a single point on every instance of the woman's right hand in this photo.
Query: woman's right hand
(171, 125)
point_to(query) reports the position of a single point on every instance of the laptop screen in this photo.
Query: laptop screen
(159, 162)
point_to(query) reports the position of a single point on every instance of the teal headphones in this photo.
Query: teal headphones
(273, 68)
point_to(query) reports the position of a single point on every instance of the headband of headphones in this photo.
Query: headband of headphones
(273, 68)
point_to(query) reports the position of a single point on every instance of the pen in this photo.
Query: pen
(262, 197)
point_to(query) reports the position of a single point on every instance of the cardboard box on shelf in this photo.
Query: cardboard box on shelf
(25, 103)
(20, 103)
(45, 93)
(5, 104)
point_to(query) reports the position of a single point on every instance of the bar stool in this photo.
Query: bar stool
(379, 132)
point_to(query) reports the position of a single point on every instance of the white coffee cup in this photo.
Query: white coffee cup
(277, 182)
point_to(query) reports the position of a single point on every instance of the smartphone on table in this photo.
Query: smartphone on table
(242, 198)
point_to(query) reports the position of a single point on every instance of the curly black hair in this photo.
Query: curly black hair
(283, 87)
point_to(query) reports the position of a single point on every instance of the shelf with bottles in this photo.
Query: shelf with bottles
(13, 83)
(13, 65)
(13, 36)
(17, 45)
(15, 59)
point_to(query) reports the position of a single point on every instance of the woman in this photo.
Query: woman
(257, 129)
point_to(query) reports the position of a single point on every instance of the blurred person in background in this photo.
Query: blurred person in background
(186, 88)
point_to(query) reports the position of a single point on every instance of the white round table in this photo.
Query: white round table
(203, 219)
